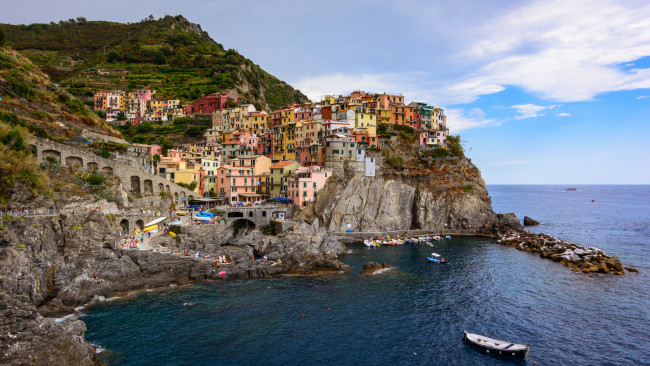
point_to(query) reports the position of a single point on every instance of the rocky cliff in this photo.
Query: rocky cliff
(47, 266)
(428, 194)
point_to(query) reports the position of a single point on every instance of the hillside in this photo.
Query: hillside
(29, 98)
(170, 55)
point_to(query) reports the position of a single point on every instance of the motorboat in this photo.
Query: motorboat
(495, 346)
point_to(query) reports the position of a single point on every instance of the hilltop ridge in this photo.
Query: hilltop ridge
(170, 55)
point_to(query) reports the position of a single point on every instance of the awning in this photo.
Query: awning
(156, 221)
(249, 195)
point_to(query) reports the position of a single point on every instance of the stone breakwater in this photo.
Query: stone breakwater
(579, 258)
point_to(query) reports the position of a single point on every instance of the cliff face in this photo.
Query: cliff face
(47, 264)
(441, 193)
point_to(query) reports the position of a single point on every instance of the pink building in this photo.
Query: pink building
(304, 184)
(237, 184)
(142, 94)
(433, 139)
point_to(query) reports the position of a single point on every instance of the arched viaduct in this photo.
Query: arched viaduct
(258, 215)
(135, 179)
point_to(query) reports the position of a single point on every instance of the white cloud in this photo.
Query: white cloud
(530, 110)
(459, 119)
(563, 114)
(508, 162)
(643, 96)
(565, 51)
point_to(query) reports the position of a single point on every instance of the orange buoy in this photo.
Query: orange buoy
(328, 309)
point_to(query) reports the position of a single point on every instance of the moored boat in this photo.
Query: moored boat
(495, 346)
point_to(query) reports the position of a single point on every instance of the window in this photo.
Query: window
(304, 194)
(304, 185)
(314, 184)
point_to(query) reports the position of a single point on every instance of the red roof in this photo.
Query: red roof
(282, 164)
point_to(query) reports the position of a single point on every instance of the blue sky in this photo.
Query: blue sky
(542, 92)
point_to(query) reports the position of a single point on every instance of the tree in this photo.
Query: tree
(159, 58)
(3, 37)
(113, 57)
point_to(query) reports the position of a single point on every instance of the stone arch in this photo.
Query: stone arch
(176, 196)
(161, 187)
(125, 225)
(53, 153)
(148, 186)
(135, 185)
(244, 223)
(108, 170)
(263, 213)
(167, 188)
(140, 224)
(250, 213)
(92, 166)
(235, 214)
(74, 160)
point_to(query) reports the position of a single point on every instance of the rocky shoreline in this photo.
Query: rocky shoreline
(578, 257)
(47, 266)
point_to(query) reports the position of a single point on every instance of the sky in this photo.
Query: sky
(542, 92)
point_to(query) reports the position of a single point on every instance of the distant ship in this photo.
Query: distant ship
(572, 189)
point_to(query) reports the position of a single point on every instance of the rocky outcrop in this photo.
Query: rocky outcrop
(530, 222)
(26, 338)
(450, 194)
(579, 258)
(303, 249)
(47, 266)
(373, 267)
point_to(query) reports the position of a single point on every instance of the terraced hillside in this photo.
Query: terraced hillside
(170, 55)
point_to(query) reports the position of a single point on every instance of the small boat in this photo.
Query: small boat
(495, 346)
(436, 260)
(572, 189)
(369, 243)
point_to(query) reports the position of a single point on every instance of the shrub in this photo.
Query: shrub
(106, 154)
(395, 162)
(468, 188)
(438, 152)
(91, 180)
(455, 147)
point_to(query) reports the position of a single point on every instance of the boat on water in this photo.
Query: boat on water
(572, 189)
(436, 258)
(495, 346)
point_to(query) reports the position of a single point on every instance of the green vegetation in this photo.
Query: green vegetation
(169, 55)
(373, 148)
(438, 152)
(395, 162)
(468, 188)
(157, 133)
(3, 37)
(16, 160)
(190, 186)
(455, 147)
(91, 180)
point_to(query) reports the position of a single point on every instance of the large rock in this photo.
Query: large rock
(451, 196)
(530, 222)
(373, 267)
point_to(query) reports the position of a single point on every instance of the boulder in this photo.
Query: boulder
(373, 267)
(530, 222)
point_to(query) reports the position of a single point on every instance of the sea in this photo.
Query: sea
(415, 312)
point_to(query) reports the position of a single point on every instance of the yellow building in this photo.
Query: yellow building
(279, 173)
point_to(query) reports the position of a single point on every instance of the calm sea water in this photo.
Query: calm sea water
(416, 312)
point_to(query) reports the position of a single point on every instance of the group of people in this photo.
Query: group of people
(15, 211)
(132, 242)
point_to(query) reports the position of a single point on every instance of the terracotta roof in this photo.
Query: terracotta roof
(282, 164)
